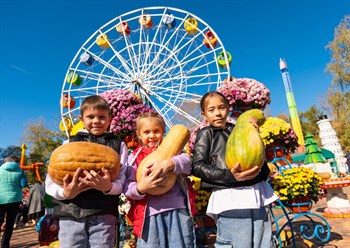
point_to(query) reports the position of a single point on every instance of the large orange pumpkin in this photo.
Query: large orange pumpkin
(67, 158)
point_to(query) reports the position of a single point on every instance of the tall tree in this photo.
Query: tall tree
(308, 121)
(339, 66)
(338, 96)
(41, 142)
(340, 102)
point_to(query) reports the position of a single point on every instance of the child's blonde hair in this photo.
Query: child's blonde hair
(150, 115)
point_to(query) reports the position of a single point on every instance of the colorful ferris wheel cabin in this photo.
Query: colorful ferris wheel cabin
(102, 41)
(210, 40)
(191, 26)
(222, 61)
(123, 28)
(66, 123)
(146, 21)
(74, 78)
(169, 20)
(87, 59)
(67, 101)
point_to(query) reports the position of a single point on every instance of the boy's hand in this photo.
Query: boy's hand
(244, 175)
(73, 187)
(150, 180)
(96, 181)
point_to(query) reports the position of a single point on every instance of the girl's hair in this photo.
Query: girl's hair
(150, 115)
(211, 94)
(94, 101)
(12, 158)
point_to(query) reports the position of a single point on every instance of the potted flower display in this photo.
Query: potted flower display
(297, 188)
(245, 93)
(276, 132)
(125, 107)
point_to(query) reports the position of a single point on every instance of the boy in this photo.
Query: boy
(87, 207)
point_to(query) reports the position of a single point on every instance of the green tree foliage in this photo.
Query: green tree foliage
(340, 103)
(41, 142)
(10, 150)
(339, 66)
(308, 121)
(338, 97)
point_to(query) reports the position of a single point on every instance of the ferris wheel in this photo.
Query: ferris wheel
(167, 56)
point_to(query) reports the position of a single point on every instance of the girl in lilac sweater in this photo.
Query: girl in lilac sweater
(159, 220)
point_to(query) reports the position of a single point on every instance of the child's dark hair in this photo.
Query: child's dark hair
(94, 101)
(150, 115)
(12, 158)
(211, 94)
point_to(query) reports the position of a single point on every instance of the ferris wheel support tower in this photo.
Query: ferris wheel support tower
(293, 111)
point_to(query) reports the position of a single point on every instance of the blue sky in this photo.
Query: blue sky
(40, 39)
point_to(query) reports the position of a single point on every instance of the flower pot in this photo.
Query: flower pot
(300, 205)
(237, 111)
(274, 150)
(131, 141)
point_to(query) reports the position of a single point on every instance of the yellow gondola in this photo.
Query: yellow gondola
(191, 26)
(66, 123)
(102, 41)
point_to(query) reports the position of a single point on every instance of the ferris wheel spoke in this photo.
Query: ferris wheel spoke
(107, 65)
(169, 92)
(169, 40)
(130, 50)
(174, 108)
(194, 67)
(177, 50)
(166, 63)
(104, 79)
(155, 106)
(159, 26)
(121, 59)
(173, 52)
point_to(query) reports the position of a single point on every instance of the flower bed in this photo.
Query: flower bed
(277, 131)
(296, 184)
(245, 92)
(125, 107)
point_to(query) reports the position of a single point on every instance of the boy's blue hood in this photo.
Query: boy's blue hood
(11, 166)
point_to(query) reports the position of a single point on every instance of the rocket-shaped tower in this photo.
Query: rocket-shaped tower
(291, 102)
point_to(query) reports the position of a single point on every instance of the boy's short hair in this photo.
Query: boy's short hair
(95, 101)
(12, 158)
(150, 114)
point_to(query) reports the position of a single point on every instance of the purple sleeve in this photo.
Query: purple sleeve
(183, 164)
(130, 189)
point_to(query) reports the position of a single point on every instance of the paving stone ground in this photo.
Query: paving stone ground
(25, 237)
